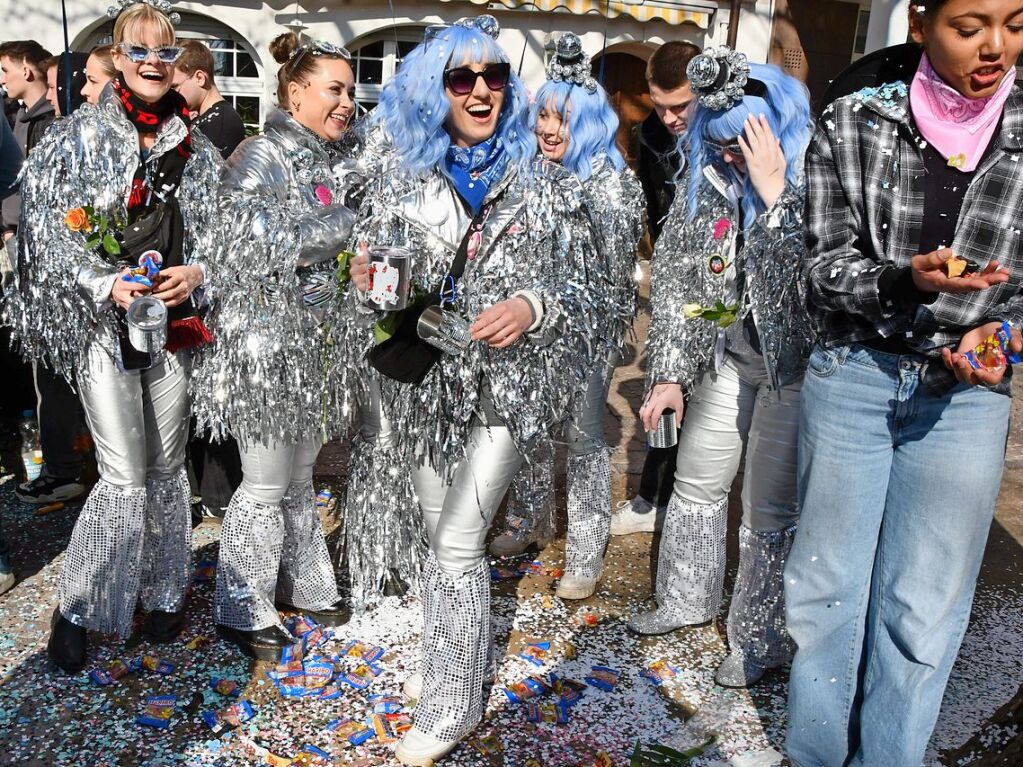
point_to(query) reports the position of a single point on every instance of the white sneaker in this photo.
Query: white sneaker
(519, 536)
(576, 586)
(413, 686)
(422, 750)
(637, 516)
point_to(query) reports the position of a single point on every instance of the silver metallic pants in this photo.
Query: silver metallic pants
(271, 542)
(132, 536)
(731, 410)
(456, 580)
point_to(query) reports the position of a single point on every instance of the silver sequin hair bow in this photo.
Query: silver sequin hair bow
(570, 64)
(485, 23)
(720, 77)
(164, 6)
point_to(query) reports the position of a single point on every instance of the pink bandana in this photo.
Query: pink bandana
(959, 127)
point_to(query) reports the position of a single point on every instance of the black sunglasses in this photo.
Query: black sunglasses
(462, 80)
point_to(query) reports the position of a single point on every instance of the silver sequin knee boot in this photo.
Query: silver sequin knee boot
(251, 542)
(757, 637)
(306, 577)
(589, 523)
(690, 567)
(99, 581)
(456, 642)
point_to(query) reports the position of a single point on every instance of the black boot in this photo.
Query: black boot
(68, 644)
(261, 644)
(335, 615)
(162, 627)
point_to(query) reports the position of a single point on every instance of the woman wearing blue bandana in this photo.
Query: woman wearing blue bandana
(464, 189)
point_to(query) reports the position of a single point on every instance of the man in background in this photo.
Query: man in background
(211, 112)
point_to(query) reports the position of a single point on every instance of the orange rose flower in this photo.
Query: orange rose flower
(77, 220)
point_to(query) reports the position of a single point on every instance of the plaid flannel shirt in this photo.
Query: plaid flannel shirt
(864, 213)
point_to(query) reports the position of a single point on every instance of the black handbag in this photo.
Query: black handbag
(405, 357)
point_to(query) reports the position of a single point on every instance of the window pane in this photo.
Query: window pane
(220, 44)
(223, 64)
(371, 72)
(248, 108)
(373, 50)
(405, 48)
(246, 66)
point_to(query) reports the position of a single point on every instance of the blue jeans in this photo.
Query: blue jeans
(898, 489)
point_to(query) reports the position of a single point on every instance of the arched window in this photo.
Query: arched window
(238, 70)
(376, 58)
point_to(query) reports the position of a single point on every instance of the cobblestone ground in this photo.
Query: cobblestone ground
(47, 718)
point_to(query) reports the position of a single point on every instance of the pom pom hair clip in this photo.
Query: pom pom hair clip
(164, 6)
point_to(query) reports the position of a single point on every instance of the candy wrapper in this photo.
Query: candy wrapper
(227, 687)
(659, 672)
(500, 573)
(381, 728)
(550, 713)
(993, 352)
(488, 746)
(527, 689)
(110, 672)
(569, 691)
(369, 653)
(325, 501)
(386, 704)
(205, 571)
(311, 756)
(156, 665)
(603, 678)
(400, 723)
(228, 718)
(536, 652)
(362, 677)
(356, 733)
(156, 711)
(197, 643)
(308, 631)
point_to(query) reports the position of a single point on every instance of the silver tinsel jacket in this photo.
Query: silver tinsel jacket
(695, 265)
(537, 238)
(263, 379)
(60, 303)
(617, 208)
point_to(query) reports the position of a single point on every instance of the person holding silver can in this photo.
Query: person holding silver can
(730, 327)
(120, 207)
(576, 127)
(495, 241)
(280, 322)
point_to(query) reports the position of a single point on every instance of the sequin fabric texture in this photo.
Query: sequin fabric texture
(281, 317)
(89, 159)
(692, 267)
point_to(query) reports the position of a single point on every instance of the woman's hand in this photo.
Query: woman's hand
(964, 372)
(929, 275)
(503, 324)
(123, 291)
(664, 396)
(359, 269)
(765, 160)
(175, 284)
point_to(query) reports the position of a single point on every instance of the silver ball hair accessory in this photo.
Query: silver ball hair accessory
(164, 6)
(718, 77)
(485, 23)
(570, 64)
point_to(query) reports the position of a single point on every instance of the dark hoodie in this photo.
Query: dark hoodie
(29, 127)
(659, 161)
(70, 100)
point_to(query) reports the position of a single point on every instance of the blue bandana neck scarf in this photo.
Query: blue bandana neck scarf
(475, 169)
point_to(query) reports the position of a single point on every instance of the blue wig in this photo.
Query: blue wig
(592, 124)
(786, 105)
(414, 105)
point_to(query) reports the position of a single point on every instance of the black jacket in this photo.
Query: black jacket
(659, 161)
(29, 127)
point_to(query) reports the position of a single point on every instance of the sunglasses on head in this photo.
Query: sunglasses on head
(462, 80)
(716, 147)
(137, 54)
(320, 48)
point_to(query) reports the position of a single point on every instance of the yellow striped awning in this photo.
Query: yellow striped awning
(668, 11)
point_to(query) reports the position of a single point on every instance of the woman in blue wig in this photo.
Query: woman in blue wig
(576, 127)
(494, 245)
(729, 328)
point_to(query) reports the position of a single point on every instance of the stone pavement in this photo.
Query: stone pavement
(49, 719)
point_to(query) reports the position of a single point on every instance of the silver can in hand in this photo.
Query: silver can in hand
(147, 324)
(389, 271)
(666, 433)
(444, 330)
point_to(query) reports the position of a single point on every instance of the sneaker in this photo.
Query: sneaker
(420, 749)
(6, 581)
(637, 516)
(576, 586)
(46, 489)
(520, 536)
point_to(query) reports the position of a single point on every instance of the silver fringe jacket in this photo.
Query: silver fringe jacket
(537, 238)
(59, 303)
(695, 265)
(617, 209)
(263, 379)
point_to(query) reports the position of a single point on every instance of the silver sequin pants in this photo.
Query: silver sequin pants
(131, 540)
(456, 580)
(271, 543)
(731, 410)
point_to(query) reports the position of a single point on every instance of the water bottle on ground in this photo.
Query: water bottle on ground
(31, 449)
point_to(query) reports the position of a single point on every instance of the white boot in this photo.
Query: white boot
(589, 520)
(637, 516)
(422, 749)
